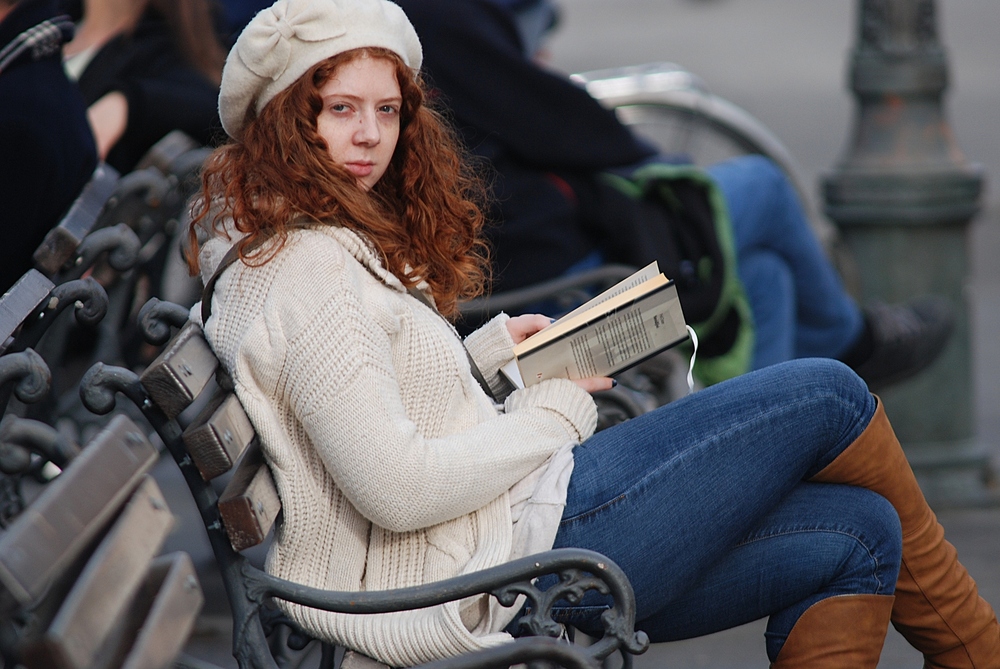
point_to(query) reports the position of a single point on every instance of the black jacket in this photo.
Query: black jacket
(164, 92)
(545, 137)
(47, 152)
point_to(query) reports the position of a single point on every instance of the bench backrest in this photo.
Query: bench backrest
(23, 298)
(79, 564)
(61, 241)
(219, 437)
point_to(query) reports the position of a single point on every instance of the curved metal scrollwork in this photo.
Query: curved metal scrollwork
(99, 385)
(157, 317)
(88, 297)
(580, 570)
(30, 374)
(120, 243)
(147, 185)
(187, 166)
(19, 438)
(32, 436)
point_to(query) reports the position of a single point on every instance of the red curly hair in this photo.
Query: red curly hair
(425, 212)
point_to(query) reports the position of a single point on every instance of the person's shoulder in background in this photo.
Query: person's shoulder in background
(48, 150)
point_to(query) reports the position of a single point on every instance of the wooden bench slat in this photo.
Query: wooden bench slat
(159, 619)
(181, 372)
(62, 241)
(101, 596)
(166, 150)
(250, 503)
(26, 295)
(72, 509)
(174, 598)
(218, 436)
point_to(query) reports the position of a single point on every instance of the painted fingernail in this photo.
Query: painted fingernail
(614, 383)
(552, 320)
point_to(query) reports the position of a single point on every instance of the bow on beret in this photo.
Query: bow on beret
(268, 45)
(283, 41)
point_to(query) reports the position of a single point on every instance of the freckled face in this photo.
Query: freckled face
(360, 117)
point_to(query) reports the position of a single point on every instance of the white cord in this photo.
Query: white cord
(694, 354)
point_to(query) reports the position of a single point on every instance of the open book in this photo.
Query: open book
(626, 324)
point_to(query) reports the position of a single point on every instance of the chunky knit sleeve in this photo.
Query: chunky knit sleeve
(381, 387)
(491, 347)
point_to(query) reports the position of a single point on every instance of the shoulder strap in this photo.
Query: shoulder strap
(206, 295)
(231, 255)
(476, 372)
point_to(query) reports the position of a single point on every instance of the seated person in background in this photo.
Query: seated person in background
(146, 67)
(549, 141)
(341, 226)
(47, 152)
(237, 13)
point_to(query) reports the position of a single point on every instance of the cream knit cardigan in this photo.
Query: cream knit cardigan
(393, 466)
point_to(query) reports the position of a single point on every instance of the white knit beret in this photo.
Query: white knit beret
(283, 41)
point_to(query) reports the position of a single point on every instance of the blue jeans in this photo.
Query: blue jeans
(704, 504)
(799, 304)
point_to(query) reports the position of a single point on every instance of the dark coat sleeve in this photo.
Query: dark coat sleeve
(473, 57)
(164, 92)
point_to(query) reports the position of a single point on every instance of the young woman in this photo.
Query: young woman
(782, 493)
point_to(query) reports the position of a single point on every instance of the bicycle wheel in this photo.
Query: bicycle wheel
(674, 109)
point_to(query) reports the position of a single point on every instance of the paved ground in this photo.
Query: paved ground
(785, 62)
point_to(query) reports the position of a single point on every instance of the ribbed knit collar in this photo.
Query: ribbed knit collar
(364, 252)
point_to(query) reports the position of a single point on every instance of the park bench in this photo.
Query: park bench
(61, 242)
(80, 584)
(27, 311)
(102, 254)
(220, 439)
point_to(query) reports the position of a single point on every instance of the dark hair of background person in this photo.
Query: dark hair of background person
(195, 32)
(194, 24)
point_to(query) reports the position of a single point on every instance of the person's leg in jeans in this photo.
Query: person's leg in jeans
(820, 541)
(885, 344)
(767, 216)
(770, 288)
(673, 493)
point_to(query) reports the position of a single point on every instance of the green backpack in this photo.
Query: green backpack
(676, 215)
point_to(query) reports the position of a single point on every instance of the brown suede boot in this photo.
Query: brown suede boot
(840, 632)
(938, 608)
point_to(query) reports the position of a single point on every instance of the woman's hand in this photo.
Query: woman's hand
(522, 327)
(596, 383)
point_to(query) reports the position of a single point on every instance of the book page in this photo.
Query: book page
(512, 373)
(640, 277)
(626, 336)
